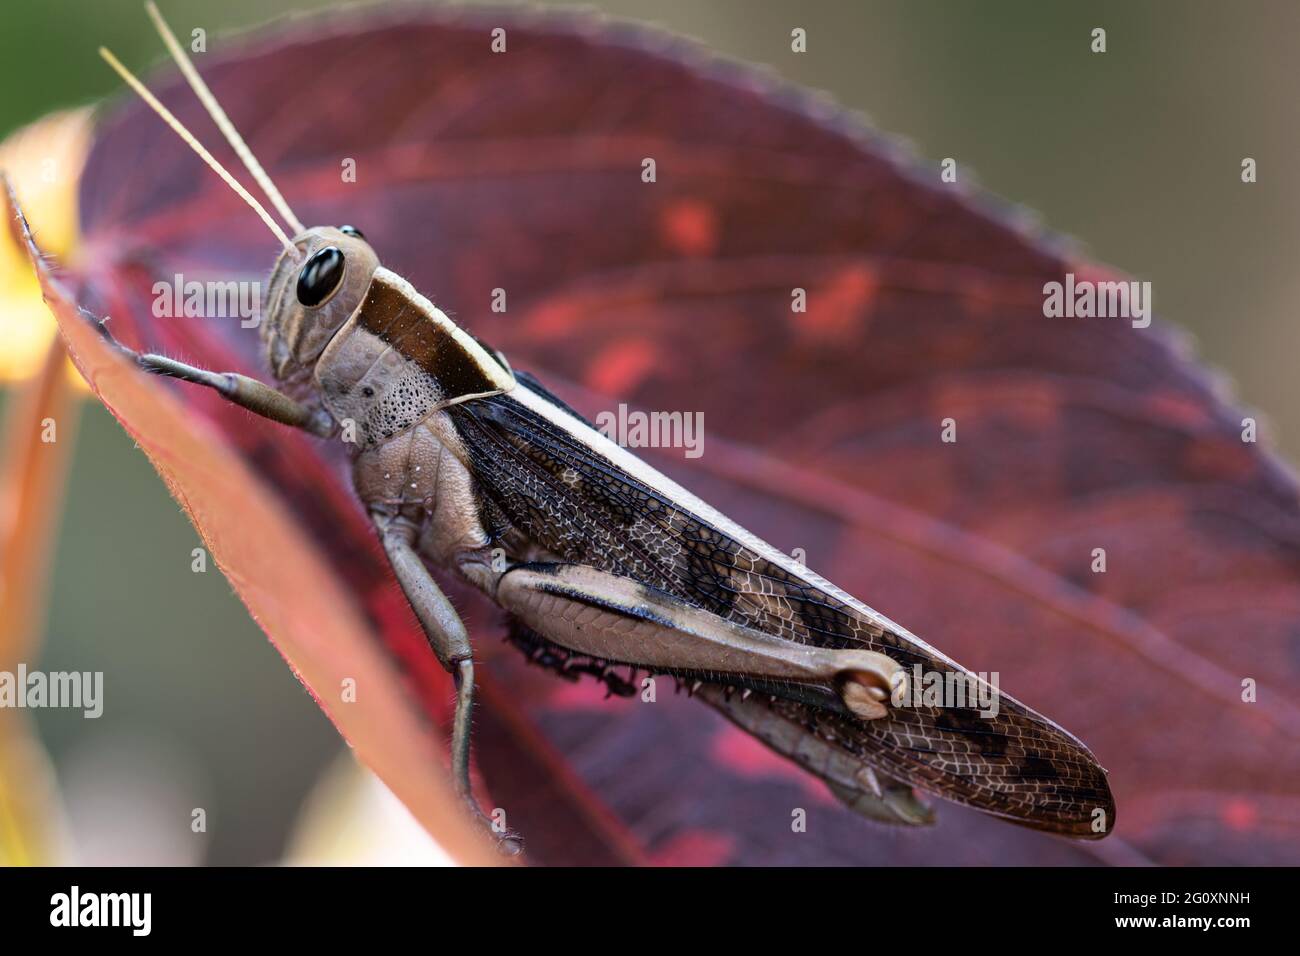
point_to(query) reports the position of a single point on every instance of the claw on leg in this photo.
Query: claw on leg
(509, 843)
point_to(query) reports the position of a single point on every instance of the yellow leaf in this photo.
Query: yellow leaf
(44, 162)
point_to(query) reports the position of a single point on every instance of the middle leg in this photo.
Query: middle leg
(450, 642)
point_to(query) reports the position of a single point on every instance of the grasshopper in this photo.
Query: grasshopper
(464, 464)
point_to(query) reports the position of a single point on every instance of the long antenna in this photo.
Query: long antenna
(220, 118)
(195, 145)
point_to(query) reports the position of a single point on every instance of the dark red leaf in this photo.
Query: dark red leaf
(521, 171)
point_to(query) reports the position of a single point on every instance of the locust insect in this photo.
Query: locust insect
(599, 560)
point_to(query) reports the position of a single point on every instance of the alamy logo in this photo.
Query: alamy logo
(75, 908)
(637, 429)
(208, 300)
(81, 690)
(1085, 299)
(948, 689)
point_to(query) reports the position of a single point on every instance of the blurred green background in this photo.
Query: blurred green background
(1136, 153)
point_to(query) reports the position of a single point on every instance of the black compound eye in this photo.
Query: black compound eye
(352, 231)
(320, 276)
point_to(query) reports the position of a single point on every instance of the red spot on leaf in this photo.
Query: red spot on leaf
(1180, 408)
(1240, 814)
(837, 308)
(689, 227)
(1222, 460)
(619, 369)
(695, 848)
(748, 757)
(556, 319)
(582, 695)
